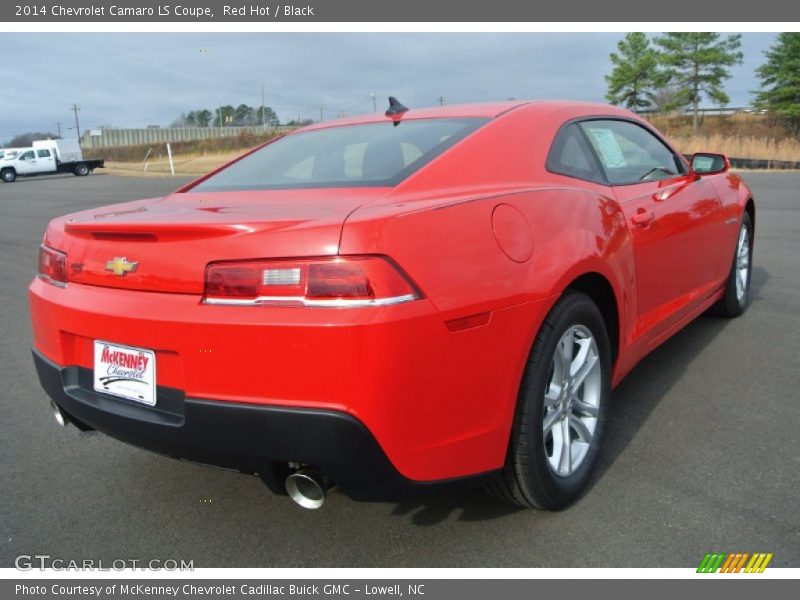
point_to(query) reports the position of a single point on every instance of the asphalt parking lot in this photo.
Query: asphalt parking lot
(701, 451)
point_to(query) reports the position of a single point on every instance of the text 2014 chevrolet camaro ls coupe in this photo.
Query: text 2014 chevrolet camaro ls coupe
(393, 302)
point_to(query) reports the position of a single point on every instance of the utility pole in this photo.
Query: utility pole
(263, 118)
(321, 113)
(440, 100)
(58, 124)
(220, 116)
(374, 103)
(75, 108)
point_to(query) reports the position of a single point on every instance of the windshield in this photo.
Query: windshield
(373, 154)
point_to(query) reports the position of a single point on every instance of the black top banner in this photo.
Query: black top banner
(399, 11)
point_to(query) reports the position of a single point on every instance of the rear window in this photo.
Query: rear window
(373, 154)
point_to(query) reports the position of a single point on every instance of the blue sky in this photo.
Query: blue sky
(135, 80)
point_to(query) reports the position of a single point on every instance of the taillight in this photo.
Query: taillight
(334, 281)
(52, 265)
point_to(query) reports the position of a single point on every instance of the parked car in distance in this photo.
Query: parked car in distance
(47, 157)
(393, 303)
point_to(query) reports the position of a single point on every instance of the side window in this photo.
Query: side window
(43, 153)
(570, 155)
(27, 156)
(629, 153)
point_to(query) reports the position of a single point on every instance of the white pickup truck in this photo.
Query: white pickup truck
(46, 157)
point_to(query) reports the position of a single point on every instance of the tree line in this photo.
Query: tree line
(25, 140)
(232, 116)
(678, 70)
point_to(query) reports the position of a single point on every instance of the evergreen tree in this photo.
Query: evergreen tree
(635, 77)
(697, 63)
(203, 117)
(780, 80)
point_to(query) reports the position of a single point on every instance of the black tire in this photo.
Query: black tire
(81, 170)
(9, 175)
(733, 304)
(527, 478)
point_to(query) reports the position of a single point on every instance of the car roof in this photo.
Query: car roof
(487, 110)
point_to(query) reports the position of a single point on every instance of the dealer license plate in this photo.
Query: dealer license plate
(125, 372)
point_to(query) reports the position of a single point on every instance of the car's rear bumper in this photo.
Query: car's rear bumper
(249, 438)
(432, 404)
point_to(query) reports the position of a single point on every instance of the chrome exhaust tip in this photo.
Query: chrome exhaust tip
(308, 487)
(58, 414)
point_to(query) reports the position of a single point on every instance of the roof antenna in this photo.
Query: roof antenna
(395, 107)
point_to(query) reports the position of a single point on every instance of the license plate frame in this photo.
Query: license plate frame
(127, 372)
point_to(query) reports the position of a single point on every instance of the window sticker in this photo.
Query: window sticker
(607, 146)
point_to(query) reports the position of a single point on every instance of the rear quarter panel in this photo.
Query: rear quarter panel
(450, 251)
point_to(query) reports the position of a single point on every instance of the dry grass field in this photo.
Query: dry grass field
(741, 146)
(743, 135)
(158, 166)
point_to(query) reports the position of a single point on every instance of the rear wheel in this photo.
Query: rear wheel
(81, 170)
(8, 175)
(737, 288)
(561, 408)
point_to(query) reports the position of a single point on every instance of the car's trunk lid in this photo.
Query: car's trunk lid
(165, 244)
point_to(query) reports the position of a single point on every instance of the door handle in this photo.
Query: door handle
(643, 217)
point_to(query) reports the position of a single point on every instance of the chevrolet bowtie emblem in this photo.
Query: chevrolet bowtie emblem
(120, 266)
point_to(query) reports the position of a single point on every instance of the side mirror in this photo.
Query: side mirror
(708, 163)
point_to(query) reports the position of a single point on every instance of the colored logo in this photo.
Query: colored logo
(735, 562)
(120, 266)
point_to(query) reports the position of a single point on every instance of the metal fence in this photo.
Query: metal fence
(761, 163)
(108, 138)
(721, 110)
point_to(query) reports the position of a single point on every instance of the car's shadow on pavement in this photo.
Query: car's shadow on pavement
(632, 402)
(652, 379)
(470, 505)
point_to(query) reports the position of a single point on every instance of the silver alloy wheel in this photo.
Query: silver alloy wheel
(742, 262)
(571, 400)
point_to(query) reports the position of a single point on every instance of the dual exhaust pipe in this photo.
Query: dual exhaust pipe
(307, 486)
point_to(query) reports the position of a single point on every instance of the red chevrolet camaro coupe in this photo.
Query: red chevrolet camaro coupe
(389, 303)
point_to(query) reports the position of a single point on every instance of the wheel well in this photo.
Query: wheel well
(600, 291)
(750, 209)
